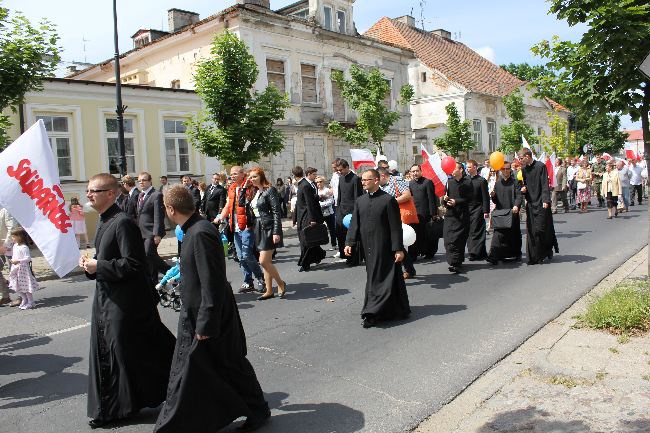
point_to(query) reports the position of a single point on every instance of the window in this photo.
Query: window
(113, 148)
(302, 14)
(389, 96)
(327, 17)
(175, 84)
(177, 149)
(476, 134)
(492, 135)
(308, 75)
(275, 74)
(338, 104)
(540, 130)
(340, 21)
(424, 77)
(58, 132)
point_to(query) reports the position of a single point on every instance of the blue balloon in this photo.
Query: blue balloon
(179, 233)
(347, 220)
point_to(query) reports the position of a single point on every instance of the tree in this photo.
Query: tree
(511, 133)
(237, 123)
(458, 137)
(560, 142)
(28, 54)
(603, 133)
(366, 92)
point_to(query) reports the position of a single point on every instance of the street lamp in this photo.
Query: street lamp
(118, 98)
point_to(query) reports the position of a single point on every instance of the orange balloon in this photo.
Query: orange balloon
(496, 160)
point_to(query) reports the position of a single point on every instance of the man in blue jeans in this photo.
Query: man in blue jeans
(244, 236)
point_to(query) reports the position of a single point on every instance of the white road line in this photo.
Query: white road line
(49, 334)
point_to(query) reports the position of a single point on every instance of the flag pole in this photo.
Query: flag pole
(118, 98)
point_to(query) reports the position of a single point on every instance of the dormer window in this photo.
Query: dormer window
(340, 21)
(302, 14)
(327, 18)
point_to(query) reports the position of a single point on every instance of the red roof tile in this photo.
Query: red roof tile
(635, 135)
(454, 60)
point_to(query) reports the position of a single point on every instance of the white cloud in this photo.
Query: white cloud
(487, 52)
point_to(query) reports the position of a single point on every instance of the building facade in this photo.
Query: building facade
(296, 48)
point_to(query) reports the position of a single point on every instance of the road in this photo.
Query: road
(321, 371)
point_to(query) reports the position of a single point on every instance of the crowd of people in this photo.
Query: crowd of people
(202, 377)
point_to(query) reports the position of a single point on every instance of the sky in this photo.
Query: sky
(502, 31)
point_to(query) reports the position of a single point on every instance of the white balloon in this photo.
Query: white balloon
(408, 235)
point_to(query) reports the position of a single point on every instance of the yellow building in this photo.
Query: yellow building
(80, 120)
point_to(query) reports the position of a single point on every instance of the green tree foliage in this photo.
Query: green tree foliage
(600, 70)
(458, 137)
(603, 133)
(237, 123)
(560, 141)
(365, 93)
(512, 132)
(28, 53)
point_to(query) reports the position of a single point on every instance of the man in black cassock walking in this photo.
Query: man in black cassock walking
(456, 223)
(211, 382)
(479, 211)
(506, 242)
(307, 214)
(350, 190)
(426, 204)
(376, 223)
(540, 236)
(130, 349)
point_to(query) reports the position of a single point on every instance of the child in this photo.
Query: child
(21, 278)
(78, 221)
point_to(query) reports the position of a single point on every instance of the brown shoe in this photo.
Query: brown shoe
(5, 301)
(16, 303)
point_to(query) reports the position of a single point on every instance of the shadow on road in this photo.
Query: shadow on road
(561, 258)
(421, 311)
(59, 301)
(533, 419)
(22, 341)
(440, 282)
(313, 291)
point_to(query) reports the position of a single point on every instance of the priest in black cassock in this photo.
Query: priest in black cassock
(506, 243)
(479, 211)
(456, 223)
(306, 214)
(426, 204)
(349, 191)
(211, 382)
(540, 236)
(130, 348)
(377, 224)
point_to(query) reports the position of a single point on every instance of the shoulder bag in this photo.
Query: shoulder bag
(408, 213)
(502, 218)
(315, 235)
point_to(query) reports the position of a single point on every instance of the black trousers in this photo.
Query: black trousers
(154, 262)
(638, 189)
(331, 226)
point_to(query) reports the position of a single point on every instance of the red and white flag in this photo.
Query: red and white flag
(524, 143)
(550, 168)
(630, 150)
(607, 156)
(362, 157)
(30, 190)
(432, 170)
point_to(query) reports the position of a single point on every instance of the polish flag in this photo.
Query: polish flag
(550, 168)
(432, 170)
(362, 157)
(30, 190)
(524, 143)
(607, 156)
(630, 150)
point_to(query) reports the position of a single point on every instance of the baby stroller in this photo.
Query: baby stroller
(169, 286)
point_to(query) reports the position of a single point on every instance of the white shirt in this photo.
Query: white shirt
(485, 172)
(636, 175)
(334, 184)
(571, 172)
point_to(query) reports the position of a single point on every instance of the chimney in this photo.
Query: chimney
(177, 19)
(70, 69)
(406, 19)
(442, 32)
(262, 3)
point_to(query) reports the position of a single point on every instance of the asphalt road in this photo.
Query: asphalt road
(321, 371)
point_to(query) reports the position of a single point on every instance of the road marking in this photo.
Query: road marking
(49, 334)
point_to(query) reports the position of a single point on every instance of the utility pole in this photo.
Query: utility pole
(118, 98)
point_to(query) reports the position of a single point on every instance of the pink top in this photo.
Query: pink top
(77, 213)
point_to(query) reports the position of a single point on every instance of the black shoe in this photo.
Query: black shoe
(472, 258)
(254, 422)
(265, 297)
(518, 258)
(97, 423)
(453, 269)
(304, 269)
(492, 261)
(369, 322)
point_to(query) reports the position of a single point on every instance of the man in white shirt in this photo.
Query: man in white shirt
(7, 224)
(485, 171)
(636, 181)
(571, 170)
(334, 185)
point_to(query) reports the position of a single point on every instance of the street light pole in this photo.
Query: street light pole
(118, 97)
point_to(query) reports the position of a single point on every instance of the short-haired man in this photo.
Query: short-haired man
(636, 180)
(456, 223)
(479, 212)
(624, 176)
(376, 226)
(426, 204)
(130, 204)
(211, 382)
(151, 220)
(7, 225)
(307, 214)
(243, 234)
(561, 187)
(186, 180)
(214, 198)
(349, 190)
(572, 186)
(130, 348)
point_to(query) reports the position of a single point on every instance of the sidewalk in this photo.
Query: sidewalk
(562, 379)
(167, 249)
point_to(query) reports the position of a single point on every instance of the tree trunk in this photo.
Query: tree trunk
(645, 127)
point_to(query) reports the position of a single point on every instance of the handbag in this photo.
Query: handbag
(502, 219)
(582, 185)
(407, 211)
(315, 235)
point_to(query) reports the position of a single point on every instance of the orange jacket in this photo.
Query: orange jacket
(240, 211)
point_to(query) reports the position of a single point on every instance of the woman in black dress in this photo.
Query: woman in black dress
(263, 204)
